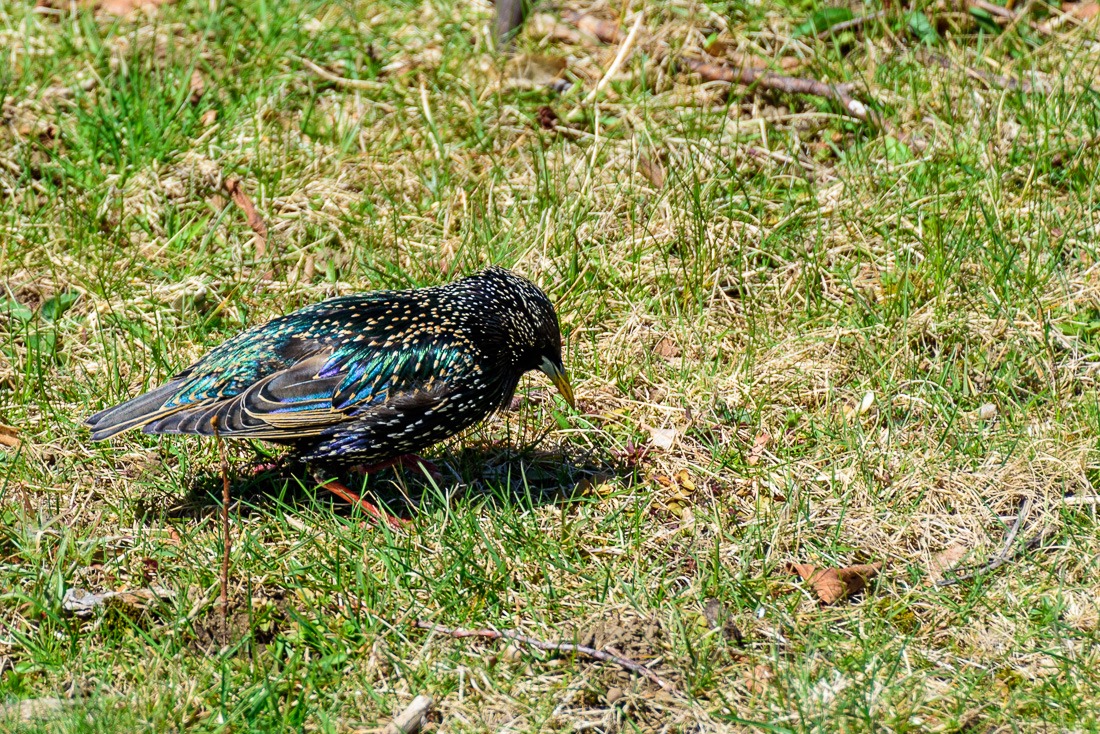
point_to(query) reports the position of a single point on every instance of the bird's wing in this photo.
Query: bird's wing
(293, 377)
(321, 391)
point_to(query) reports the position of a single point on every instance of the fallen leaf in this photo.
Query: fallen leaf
(655, 174)
(82, 602)
(666, 348)
(833, 584)
(756, 680)
(124, 7)
(9, 436)
(534, 71)
(604, 30)
(31, 709)
(1081, 11)
(198, 86)
(209, 118)
(684, 480)
(945, 560)
(718, 617)
(758, 445)
(663, 438)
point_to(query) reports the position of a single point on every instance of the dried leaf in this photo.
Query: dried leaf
(533, 71)
(945, 560)
(758, 445)
(756, 680)
(663, 438)
(655, 174)
(82, 602)
(125, 7)
(31, 709)
(9, 436)
(683, 479)
(833, 584)
(1081, 11)
(198, 86)
(718, 617)
(209, 118)
(604, 30)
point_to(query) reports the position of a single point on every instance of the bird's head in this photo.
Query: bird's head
(530, 327)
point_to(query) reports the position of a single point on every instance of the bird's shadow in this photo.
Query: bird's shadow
(503, 476)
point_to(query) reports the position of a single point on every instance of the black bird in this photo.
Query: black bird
(363, 380)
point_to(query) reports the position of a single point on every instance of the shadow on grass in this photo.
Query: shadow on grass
(489, 473)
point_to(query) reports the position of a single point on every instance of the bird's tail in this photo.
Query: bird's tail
(134, 413)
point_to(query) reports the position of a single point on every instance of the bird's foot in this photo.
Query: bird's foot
(409, 461)
(258, 469)
(351, 497)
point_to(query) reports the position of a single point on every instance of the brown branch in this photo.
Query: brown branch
(746, 74)
(1006, 553)
(223, 595)
(794, 85)
(591, 652)
(993, 80)
(411, 720)
(255, 221)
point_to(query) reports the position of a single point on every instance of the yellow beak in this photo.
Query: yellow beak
(560, 381)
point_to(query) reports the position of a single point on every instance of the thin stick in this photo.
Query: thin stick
(1006, 553)
(411, 720)
(255, 221)
(995, 80)
(591, 652)
(620, 57)
(748, 76)
(223, 595)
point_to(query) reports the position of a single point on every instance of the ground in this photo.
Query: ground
(797, 338)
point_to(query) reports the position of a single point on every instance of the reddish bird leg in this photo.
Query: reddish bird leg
(352, 498)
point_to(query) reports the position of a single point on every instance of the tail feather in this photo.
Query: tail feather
(133, 413)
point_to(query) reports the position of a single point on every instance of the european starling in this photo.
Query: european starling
(362, 380)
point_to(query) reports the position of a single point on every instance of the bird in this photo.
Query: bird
(362, 381)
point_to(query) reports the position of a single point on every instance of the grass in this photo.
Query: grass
(793, 262)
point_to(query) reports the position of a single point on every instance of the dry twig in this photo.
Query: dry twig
(745, 75)
(794, 85)
(591, 652)
(994, 80)
(255, 221)
(223, 594)
(412, 719)
(1006, 554)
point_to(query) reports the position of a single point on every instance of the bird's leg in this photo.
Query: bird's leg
(409, 461)
(342, 491)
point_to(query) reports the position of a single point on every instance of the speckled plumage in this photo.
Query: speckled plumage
(364, 378)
